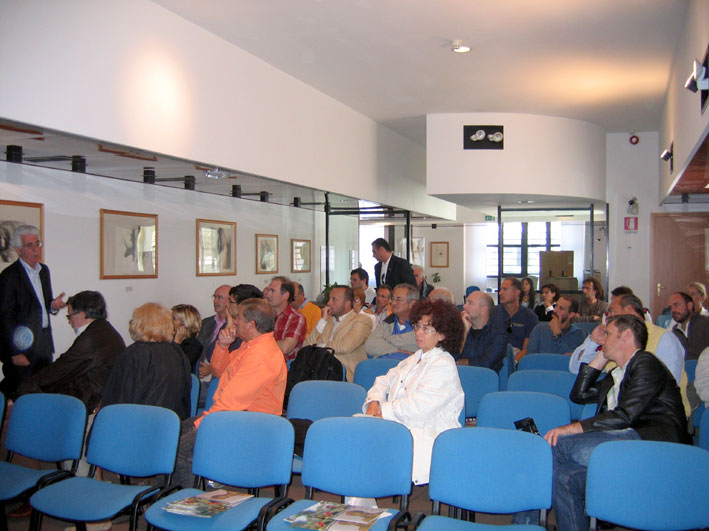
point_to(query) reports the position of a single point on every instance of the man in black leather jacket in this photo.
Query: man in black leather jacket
(639, 399)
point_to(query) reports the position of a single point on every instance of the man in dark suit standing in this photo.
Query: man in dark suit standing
(391, 269)
(26, 344)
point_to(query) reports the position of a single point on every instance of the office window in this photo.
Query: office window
(522, 243)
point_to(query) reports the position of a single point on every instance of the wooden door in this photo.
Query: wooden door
(679, 255)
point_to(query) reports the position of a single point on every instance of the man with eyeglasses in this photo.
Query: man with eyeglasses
(210, 330)
(394, 337)
(26, 344)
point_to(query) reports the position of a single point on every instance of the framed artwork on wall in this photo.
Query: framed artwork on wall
(266, 254)
(12, 215)
(439, 254)
(216, 248)
(129, 244)
(300, 256)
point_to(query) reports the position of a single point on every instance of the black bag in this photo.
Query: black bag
(313, 363)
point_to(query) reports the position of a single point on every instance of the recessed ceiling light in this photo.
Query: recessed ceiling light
(457, 47)
(525, 201)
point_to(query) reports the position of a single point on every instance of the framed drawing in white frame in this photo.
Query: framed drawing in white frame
(12, 215)
(129, 244)
(216, 248)
(300, 256)
(439, 254)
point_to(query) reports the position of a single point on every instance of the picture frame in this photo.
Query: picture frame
(439, 254)
(12, 215)
(300, 251)
(129, 244)
(216, 247)
(266, 254)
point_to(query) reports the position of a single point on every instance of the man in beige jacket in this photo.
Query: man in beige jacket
(342, 330)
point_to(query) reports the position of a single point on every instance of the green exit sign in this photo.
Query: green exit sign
(489, 218)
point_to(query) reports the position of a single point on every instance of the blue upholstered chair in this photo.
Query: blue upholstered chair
(194, 395)
(502, 409)
(476, 382)
(318, 399)
(130, 440)
(368, 370)
(241, 449)
(557, 383)
(488, 470)
(648, 485)
(544, 362)
(508, 367)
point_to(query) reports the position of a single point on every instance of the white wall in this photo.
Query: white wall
(682, 121)
(542, 155)
(71, 233)
(133, 73)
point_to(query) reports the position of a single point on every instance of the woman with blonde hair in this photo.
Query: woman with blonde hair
(188, 323)
(153, 370)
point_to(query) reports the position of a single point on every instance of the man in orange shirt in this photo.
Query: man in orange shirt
(254, 378)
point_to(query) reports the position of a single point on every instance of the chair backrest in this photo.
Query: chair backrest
(194, 395)
(588, 411)
(358, 456)
(134, 440)
(211, 389)
(587, 327)
(649, 485)
(663, 320)
(491, 470)
(502, 409)
(2, 409)
(244, 449)
(368, 370)
(508, 367)
(544, 362)
(703, 427)
(690, 366)
(557, 383)
(47, 427)
(476, 382)
(318, 399)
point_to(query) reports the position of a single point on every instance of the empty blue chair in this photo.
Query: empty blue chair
(317, 399)
(488, 470)
(663, 320)
(476, 382)
(194, 395)
(211, 389)
(130, 440)
(339, 459)
(237, 448)
(46, 427)
(648, 485)
(508, 367)
(502, 409)
(588, 411)
(703, 424)
(544, 362)
(557, 383)
(368, 370)
(691, 367)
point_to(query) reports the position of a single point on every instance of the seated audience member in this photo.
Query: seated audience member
(593, 308)
(394, 337)
(698, 292)
(153, 370)
(424, 287)
(484, 345)
(662, 343)
(254, 378)
(691, 328)
(638, 400)
(358, 305)
(290, 327)
(237, 295)
(423, 392)
(545, 309)
(187, 323)
(381, 309)
(560, 335)
(208, 336)
(82, 370)
(528, 294)
(359, 279)
(625, 290)
(701, 377)
(516, 320)
(310, 311)
(442, 294)
(342, 330)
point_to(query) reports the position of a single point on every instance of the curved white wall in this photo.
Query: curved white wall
(543, 156)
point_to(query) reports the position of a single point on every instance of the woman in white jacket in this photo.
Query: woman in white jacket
(423, 392)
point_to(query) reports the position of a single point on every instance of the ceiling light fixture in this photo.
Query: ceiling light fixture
(215, 173)
(698, 79)
(457, 46)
